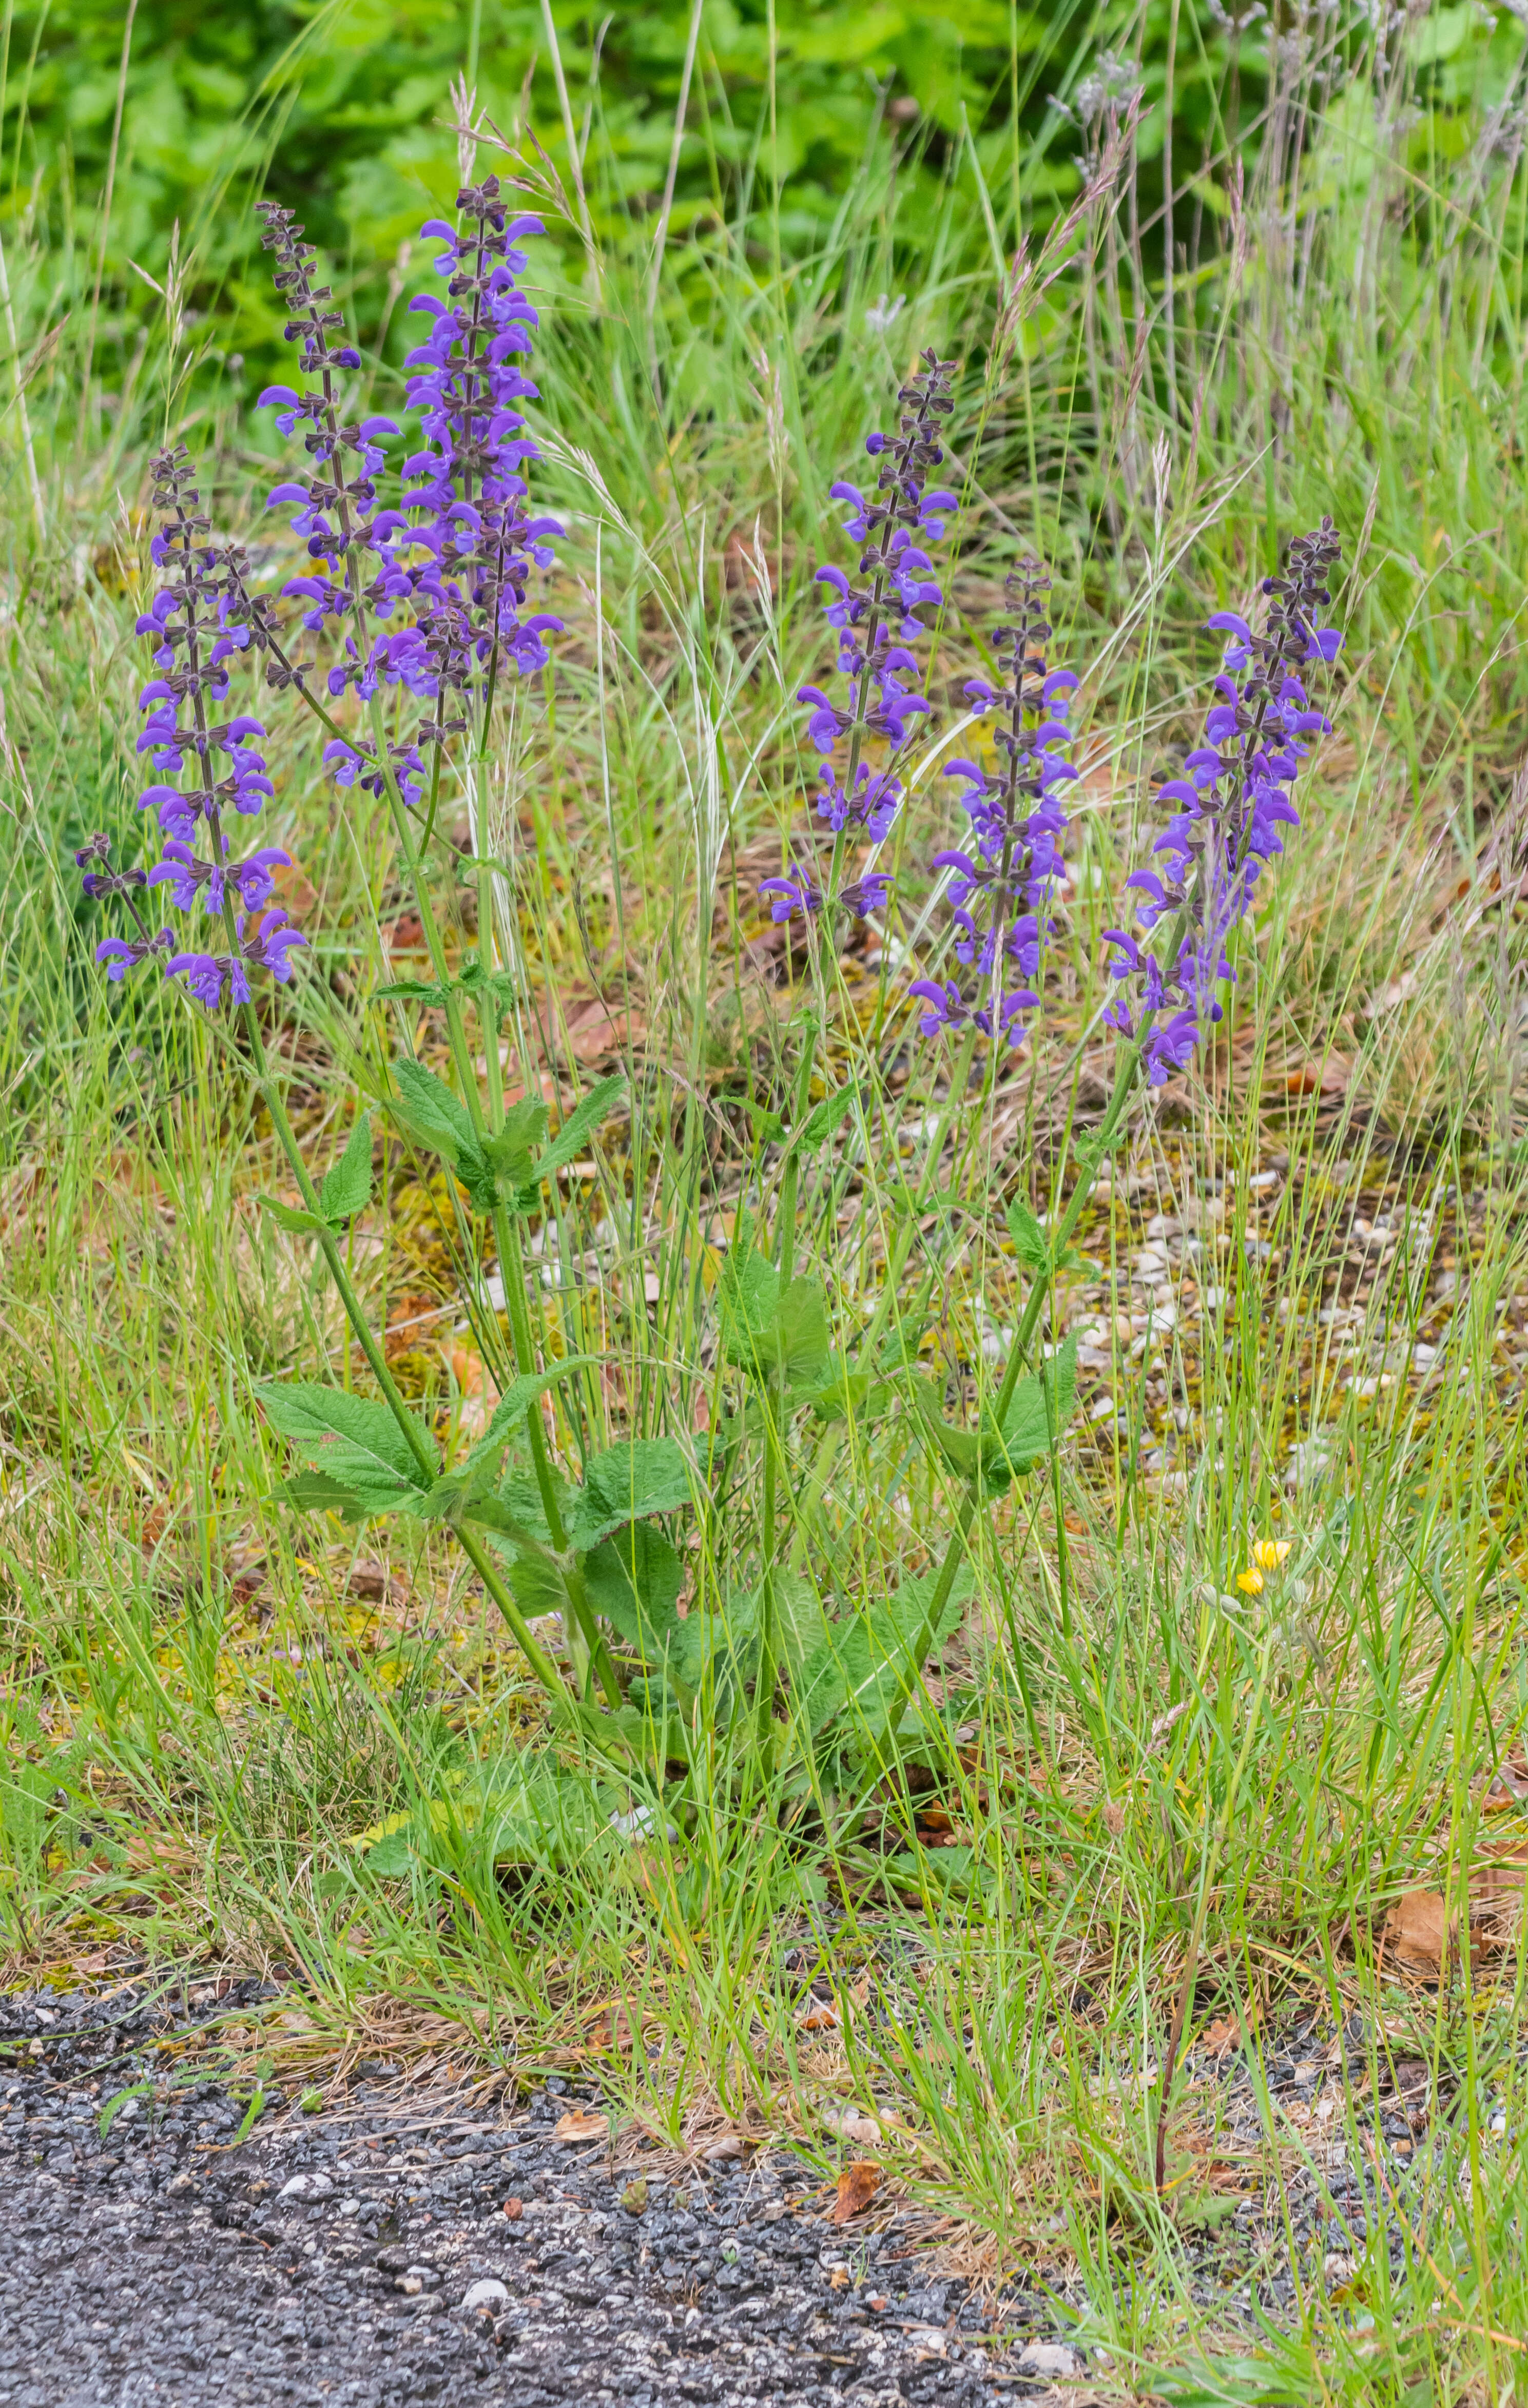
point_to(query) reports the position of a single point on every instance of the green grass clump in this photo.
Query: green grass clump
(1231, 1719)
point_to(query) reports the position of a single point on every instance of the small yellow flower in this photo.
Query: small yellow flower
(1268, 1556)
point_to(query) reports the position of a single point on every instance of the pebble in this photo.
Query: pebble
(306, 2187)
(1050, 2357)
(486, 2298)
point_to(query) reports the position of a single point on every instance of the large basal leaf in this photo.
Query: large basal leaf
(355, 1441)
(634, 1579)
(860, 1667)
(800, 1332)
(801, 1625)
(749, 1290)
(521, 1497)
(523, 1810)
(314, 1492)
(627, 1484)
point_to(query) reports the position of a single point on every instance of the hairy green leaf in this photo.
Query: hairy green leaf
(625, 1483)
(580, 1124)
(435, 1115)
(354, 1439)
(1029, 1240)
(516, 1402)
(820, 1124)
(633, 1578)
(347, 1183)
(294, 1218)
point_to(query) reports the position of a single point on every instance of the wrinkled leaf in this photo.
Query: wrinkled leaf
(580, 1124)
(824, 1118)
(1030, 1243)
(516, 1401)
(800, 1332)
(438, 1117)
(292, 1218)
(314, 1492)
(627, 1484)
(634, 1579)
(860, 1665)
(1037, 1416)
(354, 1439)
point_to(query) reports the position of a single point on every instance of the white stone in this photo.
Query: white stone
(313, 2185)
(487, 2299)
(1050, 2358)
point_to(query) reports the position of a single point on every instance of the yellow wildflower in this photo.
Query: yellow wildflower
(1268, 1556)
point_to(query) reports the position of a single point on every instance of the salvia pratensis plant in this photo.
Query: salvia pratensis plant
(412, 612)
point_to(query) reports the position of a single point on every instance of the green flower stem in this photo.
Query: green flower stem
(1018, 1353)
(265, 1086)
(774, 1408)
(901, 1246)
(511, 1265)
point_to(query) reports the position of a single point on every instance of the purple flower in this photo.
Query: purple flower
(201, 619)
(1000, 887)
(1227, 816)
(798, 893)
(875, 620)
(187, 875)
(454, 557)
(119, 956)
(210, 976)
(801, 892)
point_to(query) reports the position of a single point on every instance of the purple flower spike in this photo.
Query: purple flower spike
(874, 615)
(453, 559)
(200, 621)
(1228, 814)
(1001, 887)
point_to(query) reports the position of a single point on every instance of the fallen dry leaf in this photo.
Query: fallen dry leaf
(580, 2123)
(858, 2182)
(821, 2016)
(731, 2145)
(856, 2187)
(1417, 1931)
(1225, 2031)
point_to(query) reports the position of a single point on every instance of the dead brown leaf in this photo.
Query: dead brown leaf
(580, 2123)
(856, 2187)
(1416, 1933)
(1227, 2032)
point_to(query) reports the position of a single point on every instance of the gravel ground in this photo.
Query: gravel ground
(386, 2256)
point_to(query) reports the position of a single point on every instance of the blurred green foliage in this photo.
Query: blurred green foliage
(973, 114)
